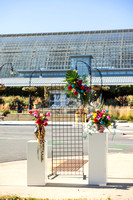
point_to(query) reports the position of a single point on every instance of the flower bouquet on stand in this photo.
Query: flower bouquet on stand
(39, 132)
(80, 115)
(99, 120)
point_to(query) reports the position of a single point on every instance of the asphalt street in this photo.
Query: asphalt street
(13, 142)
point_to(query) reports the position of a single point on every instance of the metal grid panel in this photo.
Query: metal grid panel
(67, 137)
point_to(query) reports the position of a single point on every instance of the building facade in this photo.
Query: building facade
(52, 54)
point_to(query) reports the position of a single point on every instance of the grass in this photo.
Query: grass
(32, 198)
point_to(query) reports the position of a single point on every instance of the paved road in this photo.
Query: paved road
(13, 141)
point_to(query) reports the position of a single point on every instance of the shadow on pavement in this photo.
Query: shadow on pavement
(122, 186)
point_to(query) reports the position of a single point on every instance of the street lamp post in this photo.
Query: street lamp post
(101, 93)
(30, 106)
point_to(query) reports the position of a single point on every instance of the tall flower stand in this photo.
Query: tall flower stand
(36, 170)
(98, 149)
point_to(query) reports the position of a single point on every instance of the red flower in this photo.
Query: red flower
(46, 124)
(75, 93)
(39, 121)
(82, 87)
(69, 87)
(30, 112)
(95, 120)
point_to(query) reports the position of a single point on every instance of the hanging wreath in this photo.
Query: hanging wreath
(2, 87)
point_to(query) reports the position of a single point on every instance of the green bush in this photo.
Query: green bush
(130, 118)
(111, 102)
(5, 113)
(14, 91)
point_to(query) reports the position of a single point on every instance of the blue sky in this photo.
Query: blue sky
(41, 16)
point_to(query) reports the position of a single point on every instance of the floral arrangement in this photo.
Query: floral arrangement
(2, 87)
(99, 87)
(29, 89)
(76, 87)
(41, 120)
(100, 118)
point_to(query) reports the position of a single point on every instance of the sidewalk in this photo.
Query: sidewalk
(13, 178)
(13, 181)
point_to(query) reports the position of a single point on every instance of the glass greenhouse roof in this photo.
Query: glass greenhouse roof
(51, 52)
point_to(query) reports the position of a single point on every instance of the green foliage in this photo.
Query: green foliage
(117, 91)
(122, 100)
(112, 102)
(130, 100)
(71, 76)
(130, 118)
(14, 100)
(14, 91)
(5, 113)
(32, 198)
(1, 101)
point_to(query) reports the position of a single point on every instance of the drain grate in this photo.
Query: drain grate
(70, 165)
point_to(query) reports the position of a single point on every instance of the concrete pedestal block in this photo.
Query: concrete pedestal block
(36, 170)
(98, 150)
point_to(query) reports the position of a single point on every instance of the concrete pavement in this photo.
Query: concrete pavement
(13, 181)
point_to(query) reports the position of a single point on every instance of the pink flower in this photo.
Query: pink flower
(35, 113)
(89, 115)
(103, 111)
(99, 116)
(74, 90)
(108, 117)
(45, 121)
(38, 117)
(48, 114)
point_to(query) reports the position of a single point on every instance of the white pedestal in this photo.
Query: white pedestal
(36, 170)
(98, 149)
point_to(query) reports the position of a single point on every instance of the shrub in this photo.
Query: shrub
(111, 102)
(121, 113)
(122, 100)
(6, 112)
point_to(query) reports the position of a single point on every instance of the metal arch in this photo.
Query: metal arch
(7, 64)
